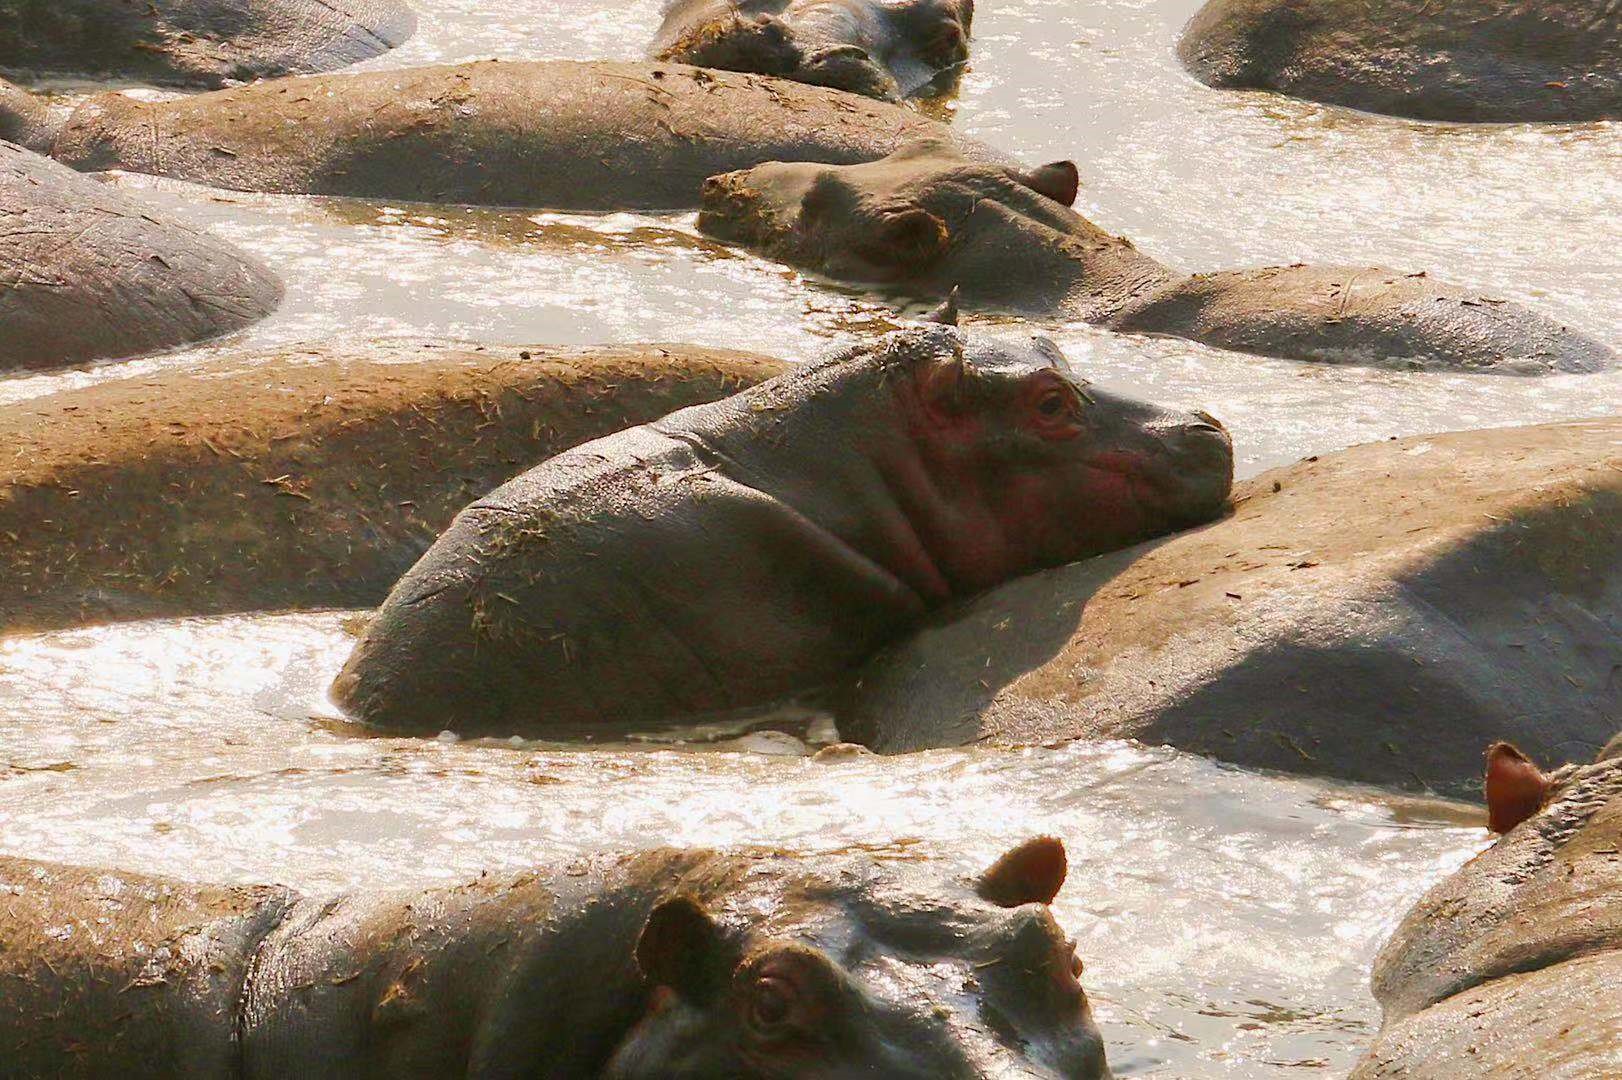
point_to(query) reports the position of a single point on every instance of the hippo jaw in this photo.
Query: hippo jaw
(910, 987)
(926, 219)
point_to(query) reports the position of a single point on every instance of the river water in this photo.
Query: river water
(1227, 918)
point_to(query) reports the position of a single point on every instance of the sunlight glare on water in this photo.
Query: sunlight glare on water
(1227, 919)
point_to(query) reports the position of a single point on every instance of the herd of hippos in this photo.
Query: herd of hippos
(942, 536)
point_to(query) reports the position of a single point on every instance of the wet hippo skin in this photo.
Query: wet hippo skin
(1336, 623)
(882, 49)
(88, 273)
(734, 554)
(555, 133)
(672, 963)
(200, 43)
(1466, 60)
(1517, 957)
(926, 220)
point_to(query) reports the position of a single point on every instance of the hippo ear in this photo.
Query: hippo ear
(1058, 180)
(946, 314)
(1515, 787)
(1031, 873)
(941, 378)
(681, 947)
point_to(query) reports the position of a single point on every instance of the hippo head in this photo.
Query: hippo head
(884, 50)
(926, 219)
(866, 971)
(1023, 464)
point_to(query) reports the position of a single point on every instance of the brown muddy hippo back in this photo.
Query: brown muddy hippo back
(202, 43)
(1469, 60)
(90, 274)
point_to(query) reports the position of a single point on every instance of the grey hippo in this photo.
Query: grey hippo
(1465, 60)
(668, 964)
(197, 43)
(925, 220)
(557, 133)
(88, 273)
(737, 553)
(1513, 965)
(887, 49)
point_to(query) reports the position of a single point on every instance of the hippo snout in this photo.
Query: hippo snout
(1201, 453)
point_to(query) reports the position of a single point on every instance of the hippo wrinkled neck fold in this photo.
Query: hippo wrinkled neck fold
(881, 499)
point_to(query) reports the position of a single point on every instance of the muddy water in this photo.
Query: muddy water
(1227, 918)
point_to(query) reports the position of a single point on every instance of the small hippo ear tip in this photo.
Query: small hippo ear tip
(1030, 873)
(946, 314)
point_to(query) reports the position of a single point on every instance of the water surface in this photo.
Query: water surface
(1227, 918)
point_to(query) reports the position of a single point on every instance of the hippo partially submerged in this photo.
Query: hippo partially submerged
(197, 42)
(1516, 960)
(925, 220)
(87, 273)
(882, 48)
(735, 553)
(303, 477)
(1375, 614)
(557, 133)
(673, 963)
(1469, 60)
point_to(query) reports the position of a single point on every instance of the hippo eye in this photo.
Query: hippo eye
(1077, 968)
(1053, 403)
(771, 1003)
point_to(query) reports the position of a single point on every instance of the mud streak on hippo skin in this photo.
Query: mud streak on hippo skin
(612, 136)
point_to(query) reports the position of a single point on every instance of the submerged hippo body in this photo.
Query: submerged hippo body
(1467, 60)
(736, 553)
(670, 963)
(882, 48)
(1515, 960)
(557, 133)
(926, 220)
(87, 273)
(197, 42)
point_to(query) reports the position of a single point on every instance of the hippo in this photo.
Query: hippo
(889, 49)
(710, 562)
(925, 220)
(197, 43)
(669, 963)
(1337, 623)
(1466, 61)
(91, 274)
(1517, 957)
(556, 134)
(307, 476)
